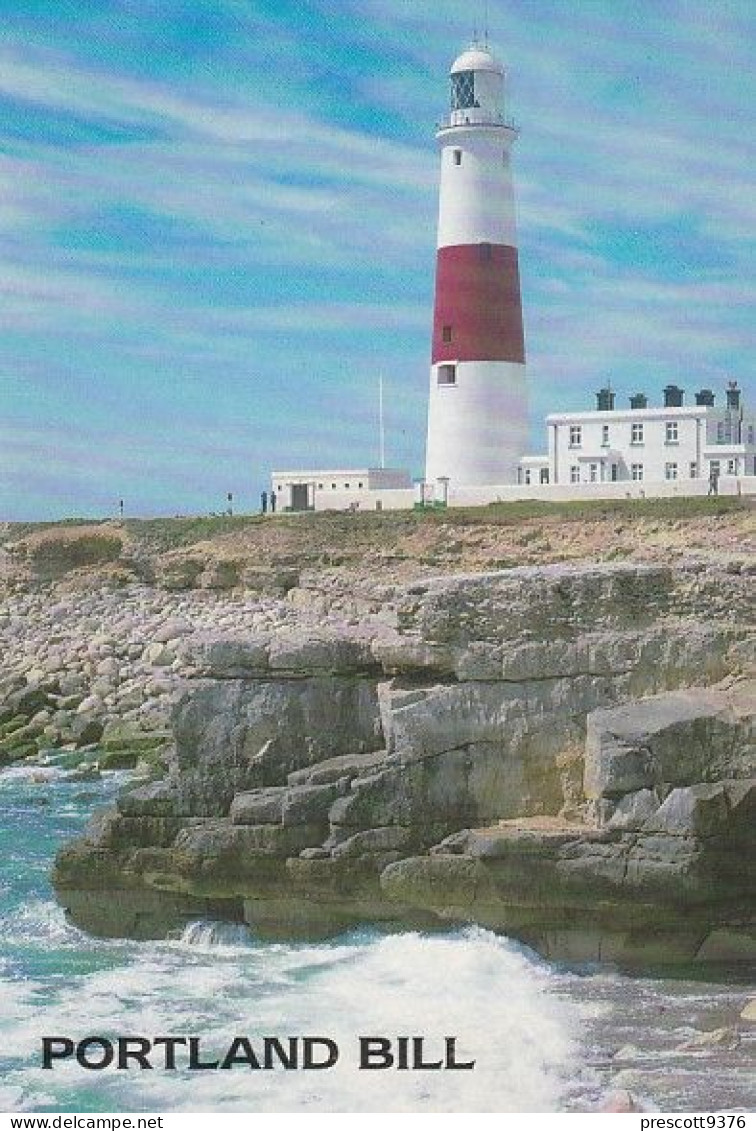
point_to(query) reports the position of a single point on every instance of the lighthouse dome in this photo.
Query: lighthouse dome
(477, 88)
(477, 59)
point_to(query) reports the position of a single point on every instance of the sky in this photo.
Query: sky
(217, 228)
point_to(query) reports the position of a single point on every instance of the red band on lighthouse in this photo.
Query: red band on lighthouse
(478, 311)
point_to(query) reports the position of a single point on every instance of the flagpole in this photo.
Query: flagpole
(381, 431)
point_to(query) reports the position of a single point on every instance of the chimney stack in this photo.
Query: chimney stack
(733, 395)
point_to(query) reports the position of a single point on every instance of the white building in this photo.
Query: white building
(364, 488)
(643, 444)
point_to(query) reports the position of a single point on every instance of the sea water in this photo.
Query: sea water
(543, 1038)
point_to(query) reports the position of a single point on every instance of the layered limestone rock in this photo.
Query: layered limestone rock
(559, 753)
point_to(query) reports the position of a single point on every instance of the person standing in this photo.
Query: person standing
(264, 502)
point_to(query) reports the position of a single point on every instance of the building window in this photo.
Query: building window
(693, 470)
(576, 435)
(615, 473)
(575, 473)
(671, 434)
(670, 471)
(544, 475)
(732, 467)
(636, 435)
(346, 486)
(593, 472)
(604, 435)
(636, 471)
(457, 156)
(333, 486)
(463, 90)
(720, 432)
(750, 433)
(446, 333)
(715, 469)
(527, 476)
(359, 485)
(447, 375)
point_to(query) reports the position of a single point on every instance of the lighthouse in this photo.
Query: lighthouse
(477, 413)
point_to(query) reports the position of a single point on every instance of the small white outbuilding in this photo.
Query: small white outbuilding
(363, 488)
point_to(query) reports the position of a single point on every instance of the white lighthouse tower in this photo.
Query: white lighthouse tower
(477, 415)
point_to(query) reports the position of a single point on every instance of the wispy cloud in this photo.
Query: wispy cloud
(214, 233)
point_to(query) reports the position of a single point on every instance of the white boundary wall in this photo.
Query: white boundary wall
(389, 500)
(482, 496)
(674, 489)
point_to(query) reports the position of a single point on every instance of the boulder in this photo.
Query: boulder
(171, 630)
(345, 765)
(633, 810)
(27, 700)
(86, 730)
(387, 839)
(725, 1037)
(694, 810)
(93, 704)
(154, 800)
(748, 1012)
(680, 738)
(397, 654)
(159, 655)
(620, 1101)
(119, 735)
(228, 656)
(258, 806)
(309, 804)
(320, 650)
(223, 853)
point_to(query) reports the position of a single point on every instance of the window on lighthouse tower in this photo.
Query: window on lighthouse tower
(463, 90)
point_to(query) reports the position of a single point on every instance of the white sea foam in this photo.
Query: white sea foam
(31, 774)
(210, 935)
(532, 1030)
(40, 923)
(11, 1098)
(485, 991)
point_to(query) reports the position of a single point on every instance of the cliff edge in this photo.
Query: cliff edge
(561, 752)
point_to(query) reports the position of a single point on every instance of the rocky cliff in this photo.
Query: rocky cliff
(562, 753)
